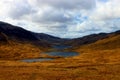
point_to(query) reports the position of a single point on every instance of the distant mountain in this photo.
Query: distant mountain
(18, 33)
(15, 32)
(112, 42)
(49, 38)
(90, 38)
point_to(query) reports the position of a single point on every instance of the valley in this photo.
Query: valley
(93, 57)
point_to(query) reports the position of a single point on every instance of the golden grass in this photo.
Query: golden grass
(67, 69)
(17, 50)
(97, 61)
(104, 44)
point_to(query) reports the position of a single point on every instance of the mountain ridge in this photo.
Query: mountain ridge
(16, 32)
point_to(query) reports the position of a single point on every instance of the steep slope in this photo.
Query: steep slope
(18, 43)
(16, 32)
(13, 49)
(19, 34)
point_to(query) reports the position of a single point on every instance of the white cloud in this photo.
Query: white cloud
(64, 4)
(107, 11)
(63, 18)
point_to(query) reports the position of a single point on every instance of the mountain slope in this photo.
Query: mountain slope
(90, 38)
(19, 34)
(108, 43)
(111, 42)
(18, 43)
(49, 38)
(103, 51)
(16, 32)
(19, 51)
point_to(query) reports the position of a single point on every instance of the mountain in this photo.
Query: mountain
(102, 51)
(20, 34)
(90, 38)
(18, 43)
(15, 32)
(51, 39)
(112, 42)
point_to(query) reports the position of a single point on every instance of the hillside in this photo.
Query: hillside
(98, 56)
(112, 42)
(18, 33)
(14, 32)
(90, 38)
(105, 50)
(18, 43)
(97, 61)
(50, 39)
(16, 50)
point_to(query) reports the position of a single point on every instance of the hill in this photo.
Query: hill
(90, 38)
(20, 34)
(97, 61)
(105, 50)
(99, 57)
(18, 43)
(111, 42)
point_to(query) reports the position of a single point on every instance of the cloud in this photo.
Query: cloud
(64, 4)
(63, 18)
(45, 16)
(15, 8)
(106, 11)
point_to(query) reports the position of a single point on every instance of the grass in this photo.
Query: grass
(18, 51)
(97, 61)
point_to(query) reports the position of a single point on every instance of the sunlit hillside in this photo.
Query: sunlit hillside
(105, 50)
(97, 56)
(59, 39)
(96, 61)
(15, 50)
(111, 42)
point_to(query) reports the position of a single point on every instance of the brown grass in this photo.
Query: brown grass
(17, 50)
(97, 61)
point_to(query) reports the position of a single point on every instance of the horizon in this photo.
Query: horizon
(64, 19)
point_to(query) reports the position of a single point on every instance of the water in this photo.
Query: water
(37, 60)
(62, 54)
(54, 53)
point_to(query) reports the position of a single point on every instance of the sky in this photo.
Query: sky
(63, 18)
